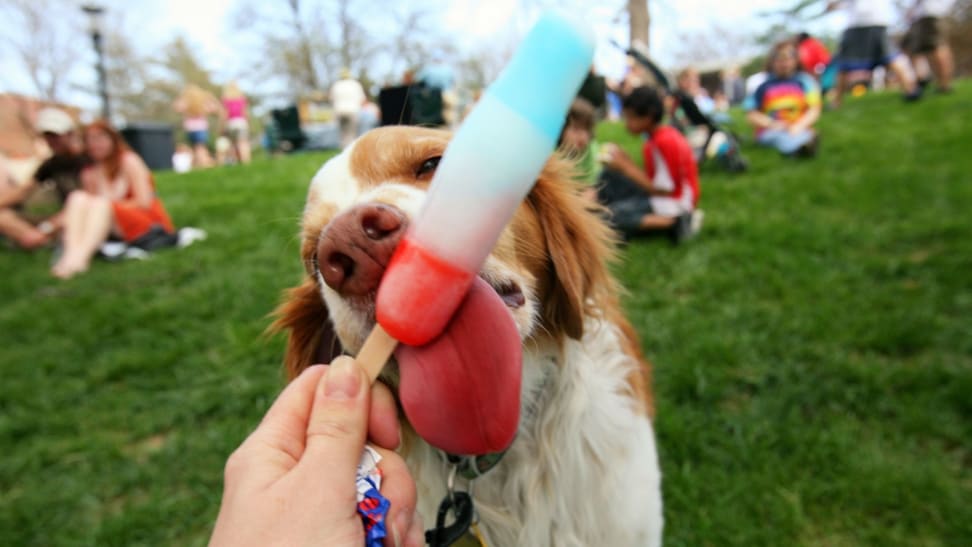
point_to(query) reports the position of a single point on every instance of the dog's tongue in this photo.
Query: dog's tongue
(461, 391)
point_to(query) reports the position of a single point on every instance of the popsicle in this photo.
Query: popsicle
(486, 171)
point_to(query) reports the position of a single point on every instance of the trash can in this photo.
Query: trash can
(288, 133)
(415, 104)
(154, 142)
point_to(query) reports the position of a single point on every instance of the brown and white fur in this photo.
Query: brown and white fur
(583, 469)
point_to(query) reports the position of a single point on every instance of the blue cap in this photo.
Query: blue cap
(546, 71)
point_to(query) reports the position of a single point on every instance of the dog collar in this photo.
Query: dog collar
(472, 467)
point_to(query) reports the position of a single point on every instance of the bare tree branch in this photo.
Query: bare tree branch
(46, 46)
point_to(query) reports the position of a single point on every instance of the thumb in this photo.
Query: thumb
(338, 422)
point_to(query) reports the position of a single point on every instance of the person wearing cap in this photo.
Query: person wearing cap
(30, 214)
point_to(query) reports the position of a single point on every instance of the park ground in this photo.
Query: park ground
(812, 349)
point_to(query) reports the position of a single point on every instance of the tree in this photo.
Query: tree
(305, 46)
(479, 68)
(288, 45)
(143, 88)
(125, 74)
(46, 46)
(639, 21)
(718, 45)
(960, 36)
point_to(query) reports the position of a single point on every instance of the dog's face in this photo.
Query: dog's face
(549, 265)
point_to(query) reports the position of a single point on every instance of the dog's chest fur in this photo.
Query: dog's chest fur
(582, 471)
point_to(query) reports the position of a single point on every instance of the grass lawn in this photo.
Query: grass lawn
(812, 350)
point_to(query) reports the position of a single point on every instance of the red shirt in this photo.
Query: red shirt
(678, 158)
(814, 56)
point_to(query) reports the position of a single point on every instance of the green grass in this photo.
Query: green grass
(812, 350)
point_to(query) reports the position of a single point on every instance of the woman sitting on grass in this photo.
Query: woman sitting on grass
(117, 199)
(785, 107)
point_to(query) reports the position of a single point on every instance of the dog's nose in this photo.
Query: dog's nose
(356, 245)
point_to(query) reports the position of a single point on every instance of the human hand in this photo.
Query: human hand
(612, 156)
(292, 481)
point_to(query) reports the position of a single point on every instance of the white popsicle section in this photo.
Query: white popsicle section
(488, 176)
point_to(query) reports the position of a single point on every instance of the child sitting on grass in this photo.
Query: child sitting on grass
(785, 107)
(578, 143)
(663, 196)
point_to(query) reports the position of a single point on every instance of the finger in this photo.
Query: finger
(338, 420)
(416, 534)
(284, 427)
(414, 537)
(383, 426)
(398, 486)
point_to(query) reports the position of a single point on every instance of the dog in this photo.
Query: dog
(583, 468)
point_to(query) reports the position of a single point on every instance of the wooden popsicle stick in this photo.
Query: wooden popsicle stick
(375, 352)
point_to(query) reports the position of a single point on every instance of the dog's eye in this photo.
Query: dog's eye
(428, 167)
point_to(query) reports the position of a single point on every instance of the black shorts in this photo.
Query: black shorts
(924, 35)
(863, 48)
(627, 202)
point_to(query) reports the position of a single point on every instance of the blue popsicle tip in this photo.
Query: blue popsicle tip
(542, 78)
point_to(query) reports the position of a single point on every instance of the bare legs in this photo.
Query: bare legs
(656, 222)
(87, 223)
(839, 89)
(942, 65)
(201, 156)
(899, 67)
(21, 231)
(243, 151)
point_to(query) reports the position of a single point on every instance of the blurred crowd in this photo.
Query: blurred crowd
(685, 124)
(92, 187)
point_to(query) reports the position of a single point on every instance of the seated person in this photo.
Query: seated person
(813, 55)
(577, 141)
(662, 196)
(784, 108)
(117, 199)
(690, 86)
(30, 213)
(695, 114)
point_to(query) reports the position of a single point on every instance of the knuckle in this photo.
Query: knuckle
(236, 465)
(331, 428)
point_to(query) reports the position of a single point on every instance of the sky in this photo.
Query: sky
(206, 23)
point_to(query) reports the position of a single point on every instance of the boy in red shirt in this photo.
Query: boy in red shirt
(663, 195)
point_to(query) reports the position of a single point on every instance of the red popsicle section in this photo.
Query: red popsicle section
(419, 293)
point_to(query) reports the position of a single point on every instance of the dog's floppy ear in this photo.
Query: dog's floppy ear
(579, 246)
(310, 334)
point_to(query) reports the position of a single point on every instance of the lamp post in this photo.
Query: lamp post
(94, 13)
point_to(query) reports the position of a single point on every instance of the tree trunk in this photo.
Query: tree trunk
(638, 21)
(305, 53)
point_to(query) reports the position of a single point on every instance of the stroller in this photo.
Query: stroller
(709, 139)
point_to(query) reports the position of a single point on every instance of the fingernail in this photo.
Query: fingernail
(342, 380)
